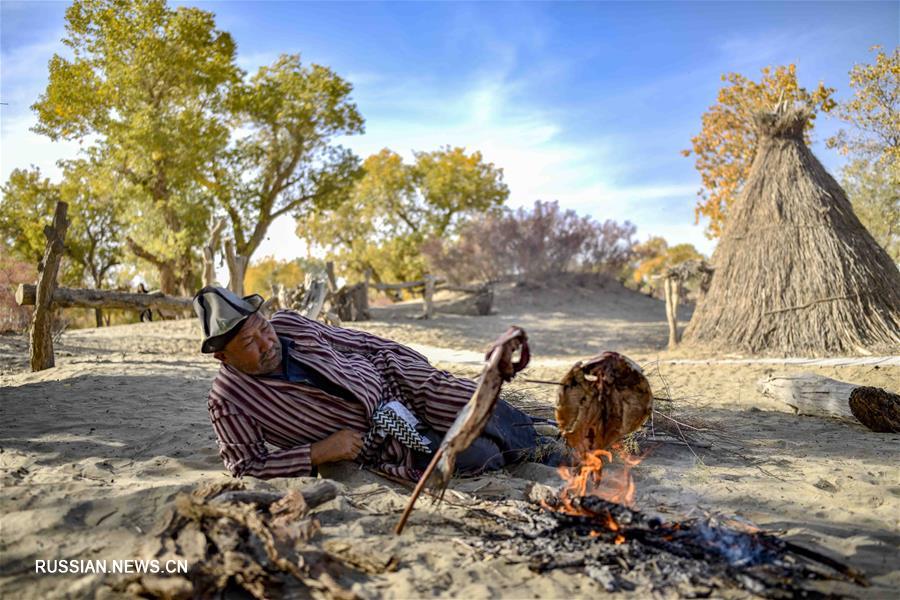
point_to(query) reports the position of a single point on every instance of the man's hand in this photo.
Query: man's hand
(342, 445)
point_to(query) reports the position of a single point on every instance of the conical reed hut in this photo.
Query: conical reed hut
(795, 270)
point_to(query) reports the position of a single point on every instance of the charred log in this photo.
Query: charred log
(877, 409)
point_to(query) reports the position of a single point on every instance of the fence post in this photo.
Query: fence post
(429, 293)
(42, 320)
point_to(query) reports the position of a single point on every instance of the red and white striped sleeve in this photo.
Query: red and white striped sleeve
(243, 449)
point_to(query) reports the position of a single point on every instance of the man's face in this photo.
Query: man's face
(255, 350)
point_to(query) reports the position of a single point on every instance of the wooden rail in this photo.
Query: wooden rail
(84, 298)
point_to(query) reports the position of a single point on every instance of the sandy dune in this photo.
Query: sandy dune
(95, 448)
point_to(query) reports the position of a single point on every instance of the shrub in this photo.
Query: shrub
(531, 244)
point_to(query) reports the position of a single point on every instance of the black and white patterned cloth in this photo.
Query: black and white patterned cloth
(393, 419)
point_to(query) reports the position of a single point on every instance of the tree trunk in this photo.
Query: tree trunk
(98, 316)
(364, 306)
(670, 286)
(209, 252)
(167, 282)
(68, 297)
(237, 268)
(42, 319)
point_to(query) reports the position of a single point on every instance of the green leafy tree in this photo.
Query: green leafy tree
(395, 207)
(288, 162)
(97, 228)
(874, 192)
(146, 86)
(28, 198)
(872, 176)
(93, 246)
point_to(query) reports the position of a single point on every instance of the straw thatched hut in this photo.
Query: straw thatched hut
(795, 270)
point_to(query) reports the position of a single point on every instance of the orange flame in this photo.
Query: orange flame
(588, 479)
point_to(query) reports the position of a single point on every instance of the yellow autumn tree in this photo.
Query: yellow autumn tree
(726, 144)
(655, 256)
(264, 273)
(871, 177)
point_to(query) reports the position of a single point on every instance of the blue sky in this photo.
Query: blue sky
(588, 103)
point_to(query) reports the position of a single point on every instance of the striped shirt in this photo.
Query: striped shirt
(249, 414)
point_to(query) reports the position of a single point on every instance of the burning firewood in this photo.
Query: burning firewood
(602, 400)
(621, 548)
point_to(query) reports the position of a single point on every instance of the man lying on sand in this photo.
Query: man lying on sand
(323, 394)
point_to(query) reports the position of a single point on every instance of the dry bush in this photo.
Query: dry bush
(531, 244)
(13, 272)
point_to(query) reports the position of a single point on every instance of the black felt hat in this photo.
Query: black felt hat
(222, 313)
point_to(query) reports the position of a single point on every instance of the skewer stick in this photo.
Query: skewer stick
(544, 381)
(419, 487)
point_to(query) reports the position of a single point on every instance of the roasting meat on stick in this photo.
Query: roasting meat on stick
(473, 417)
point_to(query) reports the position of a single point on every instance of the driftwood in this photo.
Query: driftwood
(352, 302)
(83, 298)
(314, 299)
(810, 394)
(233, 538)
(313, 495)
(473, 417)
(41, 340)
(602, 400)
(818, 396)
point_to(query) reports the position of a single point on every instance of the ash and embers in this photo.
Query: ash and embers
(691, 558)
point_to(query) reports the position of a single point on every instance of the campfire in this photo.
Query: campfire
(591, 525)
(586, 481)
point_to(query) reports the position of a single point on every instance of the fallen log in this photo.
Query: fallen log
(84, 298)
(818, 396)
(810, 394)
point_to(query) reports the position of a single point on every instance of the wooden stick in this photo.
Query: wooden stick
(419, 487)
(838, 566)
(545, 382)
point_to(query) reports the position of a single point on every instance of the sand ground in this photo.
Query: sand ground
(93, 450)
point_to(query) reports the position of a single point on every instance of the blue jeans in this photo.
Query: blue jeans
(509, 437)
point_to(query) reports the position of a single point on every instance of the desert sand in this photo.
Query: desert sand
(94, 449)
